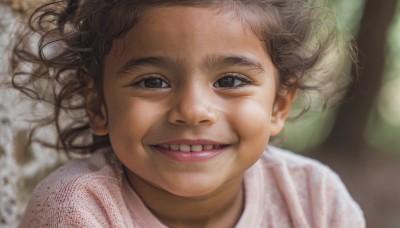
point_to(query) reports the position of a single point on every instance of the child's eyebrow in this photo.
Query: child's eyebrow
(211, 62)
(221, 60)
(143, 61)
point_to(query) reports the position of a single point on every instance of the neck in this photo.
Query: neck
(218, 209)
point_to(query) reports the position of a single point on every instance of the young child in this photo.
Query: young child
(182, 97)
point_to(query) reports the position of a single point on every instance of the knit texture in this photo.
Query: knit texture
(282, 189)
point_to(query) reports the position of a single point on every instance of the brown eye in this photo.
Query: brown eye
(230, 82)
(153, 83)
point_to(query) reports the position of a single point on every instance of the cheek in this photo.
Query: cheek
(252, 119)
(129, 121)
(251, 122)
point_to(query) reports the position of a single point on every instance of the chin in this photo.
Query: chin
(191, 190)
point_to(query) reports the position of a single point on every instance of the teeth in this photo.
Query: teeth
(197, 148)
(208, 147)
(175, 147)
(189, 148)
(184, 148)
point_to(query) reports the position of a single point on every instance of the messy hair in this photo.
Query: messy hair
(72, 37)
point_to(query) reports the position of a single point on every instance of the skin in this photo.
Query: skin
(201, 91)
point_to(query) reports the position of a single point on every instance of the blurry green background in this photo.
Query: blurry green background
(360, 137)
(382, 130)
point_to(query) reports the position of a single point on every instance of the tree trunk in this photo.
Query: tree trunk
(347, 135)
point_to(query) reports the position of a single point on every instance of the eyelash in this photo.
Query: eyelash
(235, 76)
(243, 80)
(142, 82)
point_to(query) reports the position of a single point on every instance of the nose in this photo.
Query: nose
(193, 106)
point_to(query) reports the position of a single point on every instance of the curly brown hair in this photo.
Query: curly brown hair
(72, 37)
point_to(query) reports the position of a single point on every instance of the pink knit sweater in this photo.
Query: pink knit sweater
(281, 190)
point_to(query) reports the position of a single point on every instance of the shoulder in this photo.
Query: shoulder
(298, 168)
(296, 165)
(279, 156)
(80, 189)
(312, 188)
(83, 173)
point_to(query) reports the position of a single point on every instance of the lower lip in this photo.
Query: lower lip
(190, 157)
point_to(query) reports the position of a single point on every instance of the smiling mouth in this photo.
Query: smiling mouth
(190, 148)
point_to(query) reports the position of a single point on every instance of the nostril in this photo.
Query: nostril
(180, 121)
(191, 122)
(192, 115)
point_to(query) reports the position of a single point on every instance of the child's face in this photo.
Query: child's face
(195, 79)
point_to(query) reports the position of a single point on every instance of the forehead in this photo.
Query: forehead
(188, 35)
(193, 14)
(190, 23)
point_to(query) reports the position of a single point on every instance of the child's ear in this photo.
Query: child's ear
(281, 110)
(96, 112)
